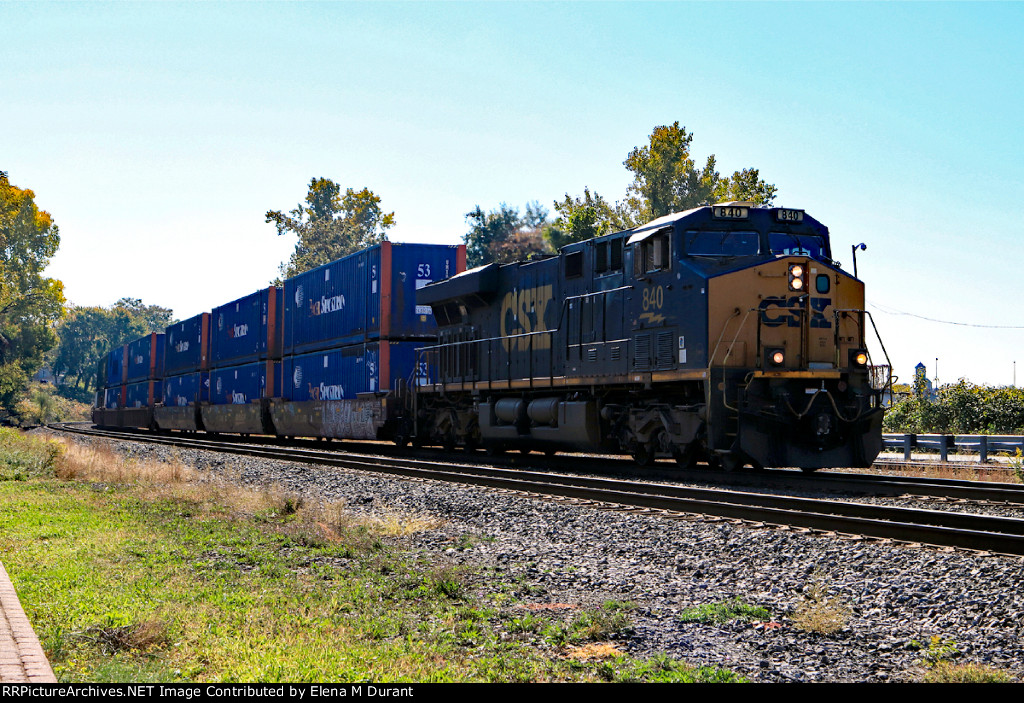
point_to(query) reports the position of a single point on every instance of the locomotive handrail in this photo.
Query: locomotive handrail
(878, 336)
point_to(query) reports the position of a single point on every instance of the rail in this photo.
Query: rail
(983, 445)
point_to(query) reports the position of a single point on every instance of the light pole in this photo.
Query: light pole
(862, 246)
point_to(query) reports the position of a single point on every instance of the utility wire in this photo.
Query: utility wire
(894, 311)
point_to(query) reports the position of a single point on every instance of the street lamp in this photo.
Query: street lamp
(862, 246)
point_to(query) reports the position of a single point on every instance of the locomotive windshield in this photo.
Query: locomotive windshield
(722, 243)
(798, 244)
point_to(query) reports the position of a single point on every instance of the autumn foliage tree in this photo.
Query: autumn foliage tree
(503, 235)
(30, 303)
(331, 224)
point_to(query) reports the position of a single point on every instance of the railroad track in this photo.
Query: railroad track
(962, 530)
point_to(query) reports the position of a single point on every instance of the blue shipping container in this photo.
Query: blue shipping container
(114, 367)
(145, 358)
(342, 374)
(143, 395)
(187, 345)
(113, 397)
(186, 389)
(247, 329)
(366, 296)
(236, 385)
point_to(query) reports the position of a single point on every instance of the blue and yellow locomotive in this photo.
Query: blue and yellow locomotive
(724, 333)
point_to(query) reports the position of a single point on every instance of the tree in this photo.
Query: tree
(30, 304)
(502, 235)
(665, 179)
(583, 218)
(89, 333)
(331, 225)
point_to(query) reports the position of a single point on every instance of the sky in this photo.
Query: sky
(158, 134)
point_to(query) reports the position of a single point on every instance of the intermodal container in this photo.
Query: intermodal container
(247, 329)
(347, 372)
(145, 358)
(114, 368)
(237, 385)
(113, 397)
(143, 395)
(366, 296)
(186, 389)
(187, 345)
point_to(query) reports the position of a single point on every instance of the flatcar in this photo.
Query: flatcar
(725, 333)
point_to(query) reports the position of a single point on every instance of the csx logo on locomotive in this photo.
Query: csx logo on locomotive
(780, 310)
(523, 312)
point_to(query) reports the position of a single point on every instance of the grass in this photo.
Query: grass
(138, 571)
(723, 611)
(938, 655)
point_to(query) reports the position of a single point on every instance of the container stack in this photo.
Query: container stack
(352, 326)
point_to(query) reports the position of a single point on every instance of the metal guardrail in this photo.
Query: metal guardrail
(982, 444)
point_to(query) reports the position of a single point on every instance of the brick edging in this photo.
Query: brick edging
(21, 656)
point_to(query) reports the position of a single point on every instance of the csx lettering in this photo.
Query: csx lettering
(787, 311)
(523, 312)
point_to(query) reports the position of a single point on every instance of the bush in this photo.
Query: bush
(960, 408)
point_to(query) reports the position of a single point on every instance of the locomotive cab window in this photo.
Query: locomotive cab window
(574, 264)
(652, 254)
(722, 243)
(608, 256)
(797, 244)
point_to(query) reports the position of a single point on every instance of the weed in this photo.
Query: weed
(938, 650)
(819, 612)
(1017, 464)
(723, 611)
(947, 672)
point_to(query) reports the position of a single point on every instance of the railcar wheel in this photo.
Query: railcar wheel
(686, 459)
(550, 452)
(643, 454)
(731, 462)
(495, 450)
(808, 469)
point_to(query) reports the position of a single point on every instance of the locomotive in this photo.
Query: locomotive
(725, 334)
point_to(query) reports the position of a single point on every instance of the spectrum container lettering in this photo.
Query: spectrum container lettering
(247, 329)
(187, 345)
(366, 296)
(145, 358)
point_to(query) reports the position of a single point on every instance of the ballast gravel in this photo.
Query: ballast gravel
(567, 554)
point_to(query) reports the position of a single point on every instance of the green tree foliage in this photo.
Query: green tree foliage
(503, 235)
(666, 179)
(961, 408)
(330, 225)
(583, 218)
(89, 333)
(30, 303)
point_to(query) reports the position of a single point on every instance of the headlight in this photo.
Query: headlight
(796, 277)
(774, 357)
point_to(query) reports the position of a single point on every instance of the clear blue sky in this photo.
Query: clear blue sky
(157, 135)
